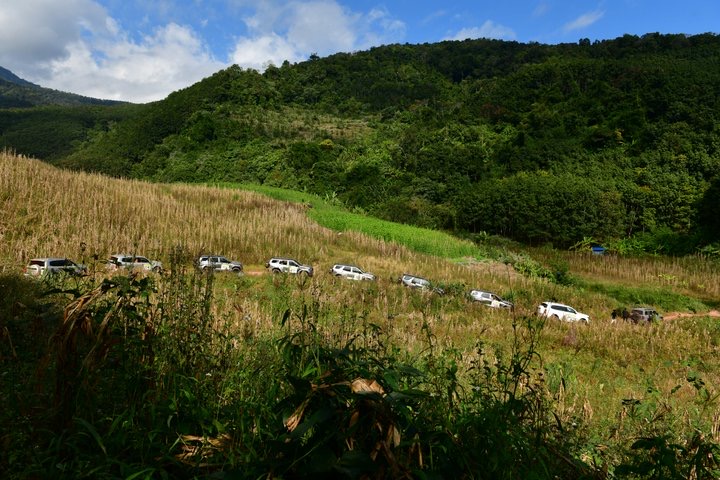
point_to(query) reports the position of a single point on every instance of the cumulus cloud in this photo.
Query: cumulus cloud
(75, 46)
(260, 51)
(489, 29)
(279, 31)
(583, 21)
(35, 32)
(78, 46)
(171, 58)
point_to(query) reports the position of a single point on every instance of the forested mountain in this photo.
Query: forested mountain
(616, 140)
(16, 92)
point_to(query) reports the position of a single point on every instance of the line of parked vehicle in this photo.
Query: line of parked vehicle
(47, 266)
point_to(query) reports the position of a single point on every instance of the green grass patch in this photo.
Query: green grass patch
(335, 217)
(662, 299)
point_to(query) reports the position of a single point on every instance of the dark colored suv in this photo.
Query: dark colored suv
(644, 314)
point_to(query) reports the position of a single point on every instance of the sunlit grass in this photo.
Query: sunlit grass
(329, 215)
(54, 212)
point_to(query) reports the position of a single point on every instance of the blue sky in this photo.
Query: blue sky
(141, 50)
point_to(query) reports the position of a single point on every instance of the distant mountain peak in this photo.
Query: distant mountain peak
(18, 93)
(9, 76)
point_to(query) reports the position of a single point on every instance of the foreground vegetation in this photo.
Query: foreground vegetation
(185, 375)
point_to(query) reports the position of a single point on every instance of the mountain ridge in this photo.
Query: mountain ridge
(16, 92)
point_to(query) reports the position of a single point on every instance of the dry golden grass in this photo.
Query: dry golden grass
(50, 212)
(692, 275)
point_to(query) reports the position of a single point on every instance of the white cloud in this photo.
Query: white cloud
(292, 31)
(78, 46)
(173, 57)
(259, 51)
(34, 32)
(583, 21)
(489, 29)
(75, 46)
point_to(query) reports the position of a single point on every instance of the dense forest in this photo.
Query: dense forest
(614, 141)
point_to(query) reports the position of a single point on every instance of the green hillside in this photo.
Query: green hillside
(615, 141)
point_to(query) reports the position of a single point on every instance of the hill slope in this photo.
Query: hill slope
(546, 144)
(226, 345)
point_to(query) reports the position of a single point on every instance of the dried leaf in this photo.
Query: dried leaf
(362, 385)
(294, 420)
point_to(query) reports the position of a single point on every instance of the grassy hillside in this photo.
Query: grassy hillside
(612, 140)
(604, 385)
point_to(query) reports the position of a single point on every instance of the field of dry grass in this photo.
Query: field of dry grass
(590, 369)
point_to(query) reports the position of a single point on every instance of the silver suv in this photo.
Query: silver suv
(218, 263)
(489, 299)
(288, 265)
(413, 281)
(38, 267)
(562, 312)
(133, 262)
(350, 271)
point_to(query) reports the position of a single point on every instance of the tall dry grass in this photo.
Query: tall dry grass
(50, 212)
(695, 275)
(47, 212)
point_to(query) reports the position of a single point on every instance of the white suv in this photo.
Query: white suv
(219, 264)
(489, 299)
(288, 265)
(38, 267)
(351, 271)
(133, 262)
(561, 312)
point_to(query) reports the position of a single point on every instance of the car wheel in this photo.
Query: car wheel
(157, 269)
(555, 317)
(275, 270)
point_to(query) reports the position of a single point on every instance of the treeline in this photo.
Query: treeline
(541, 143)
